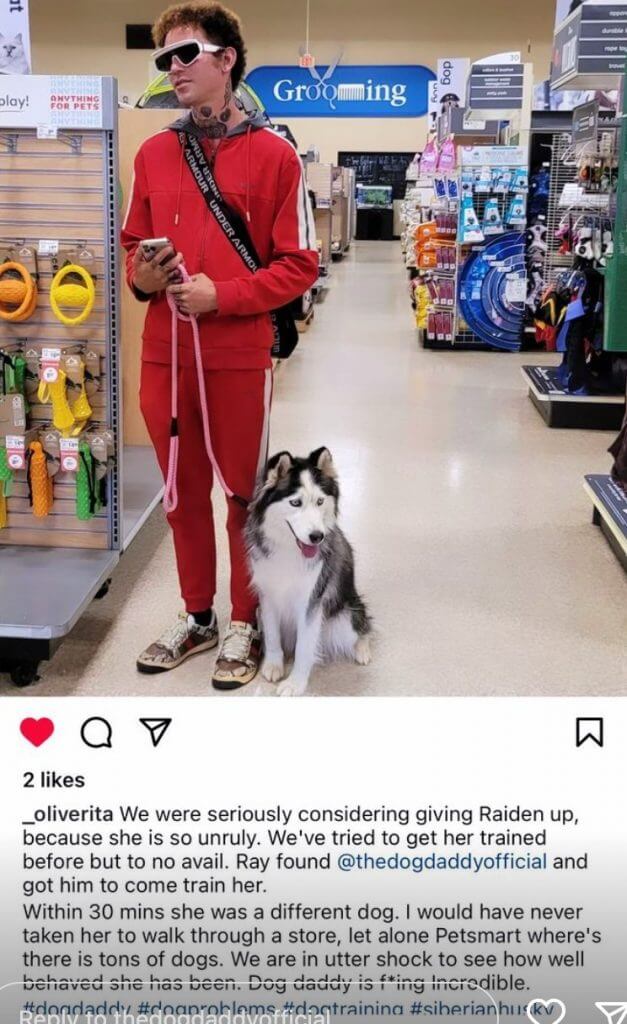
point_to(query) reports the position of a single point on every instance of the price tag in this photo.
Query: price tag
(16, 451)
(48, 247)
(69, 454)
(49, 367)
(47, 131)
(516, 289)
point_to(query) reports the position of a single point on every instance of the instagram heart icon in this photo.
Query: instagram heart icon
(37, 730)
(545, 1003)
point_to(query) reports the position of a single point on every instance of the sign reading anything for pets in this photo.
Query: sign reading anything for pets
(15, 58)
(61, 101)
(360, 90)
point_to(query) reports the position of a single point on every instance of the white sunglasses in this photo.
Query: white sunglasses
(186, 52)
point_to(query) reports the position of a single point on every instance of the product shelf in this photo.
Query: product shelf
(559, 408)
(45, 591)
(609, 512)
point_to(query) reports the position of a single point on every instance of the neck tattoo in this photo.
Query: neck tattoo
(215, 124)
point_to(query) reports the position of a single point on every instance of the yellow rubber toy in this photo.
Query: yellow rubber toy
(18, 292)
(81, 411)
(62, 416)
(72, 295)
(40, 482)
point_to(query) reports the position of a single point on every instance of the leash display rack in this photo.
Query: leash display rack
(558, 407)
(59, 188)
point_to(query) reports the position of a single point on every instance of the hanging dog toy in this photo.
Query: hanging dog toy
(39, 483)
(18, 292)
(170, 498)
(6, 474)
(88, 494)
(62, 416)
(73, 294)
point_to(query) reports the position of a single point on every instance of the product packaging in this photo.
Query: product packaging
(452, 187)
(470, 230)
(501, 179)
(447, 159)
(484, 181)
(492, 221)
(516, 212)
(429, 159)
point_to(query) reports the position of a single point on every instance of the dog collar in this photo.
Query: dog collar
(72, 295)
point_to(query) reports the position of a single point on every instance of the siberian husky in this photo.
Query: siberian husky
(303, 571)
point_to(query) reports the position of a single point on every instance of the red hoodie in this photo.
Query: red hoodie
(260, 175)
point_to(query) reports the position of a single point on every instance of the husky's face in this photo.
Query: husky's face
(297, 502)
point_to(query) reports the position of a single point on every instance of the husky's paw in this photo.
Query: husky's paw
(291, 688)
(362, 652)
(273, 669)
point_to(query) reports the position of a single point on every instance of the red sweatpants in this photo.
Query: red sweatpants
(239, 406)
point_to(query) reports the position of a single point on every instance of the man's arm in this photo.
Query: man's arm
(137, 223)
(144, 277)
(294, 264)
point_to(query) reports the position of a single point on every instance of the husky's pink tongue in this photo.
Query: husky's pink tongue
(308, 550)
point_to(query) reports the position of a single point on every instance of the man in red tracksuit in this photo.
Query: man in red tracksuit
(260, 176)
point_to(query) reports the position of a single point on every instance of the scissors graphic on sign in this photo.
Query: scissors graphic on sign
(324, 89)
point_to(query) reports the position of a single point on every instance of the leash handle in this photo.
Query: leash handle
(170, 498)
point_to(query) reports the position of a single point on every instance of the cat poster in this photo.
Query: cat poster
(15, 55)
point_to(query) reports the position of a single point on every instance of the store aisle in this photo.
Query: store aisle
(472, 532)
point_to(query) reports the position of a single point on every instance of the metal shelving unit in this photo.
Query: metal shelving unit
(51, 569)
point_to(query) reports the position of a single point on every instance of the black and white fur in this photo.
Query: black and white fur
(303, 571)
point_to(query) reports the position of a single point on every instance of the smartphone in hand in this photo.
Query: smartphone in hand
(150, 247)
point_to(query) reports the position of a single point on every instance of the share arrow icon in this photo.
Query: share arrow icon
(157, 727)
(614, 1012)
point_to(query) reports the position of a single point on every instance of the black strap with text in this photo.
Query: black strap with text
(234, 227)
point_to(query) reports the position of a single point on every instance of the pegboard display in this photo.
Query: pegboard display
(59, 372)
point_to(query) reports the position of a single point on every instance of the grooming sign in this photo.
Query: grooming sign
(15, 55)
(359, 90)
(54, 101)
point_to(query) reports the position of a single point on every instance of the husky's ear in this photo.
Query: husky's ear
(278, 467)
(323, 460)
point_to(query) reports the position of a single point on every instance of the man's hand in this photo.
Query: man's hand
(196, 296)
(151, 276)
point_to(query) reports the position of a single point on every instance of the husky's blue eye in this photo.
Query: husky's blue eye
(296, 502)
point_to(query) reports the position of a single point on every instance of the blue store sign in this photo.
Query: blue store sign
(358, 90)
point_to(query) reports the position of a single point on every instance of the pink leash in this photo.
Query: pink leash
(171, 497)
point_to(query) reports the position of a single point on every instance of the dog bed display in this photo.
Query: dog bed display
(492, 291)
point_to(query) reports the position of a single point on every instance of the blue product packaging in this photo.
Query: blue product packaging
(492, 220)
(452, 188)
(439, 187)
(516, 213)
(470, 230)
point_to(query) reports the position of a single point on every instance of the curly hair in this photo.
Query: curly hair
(219, 24)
